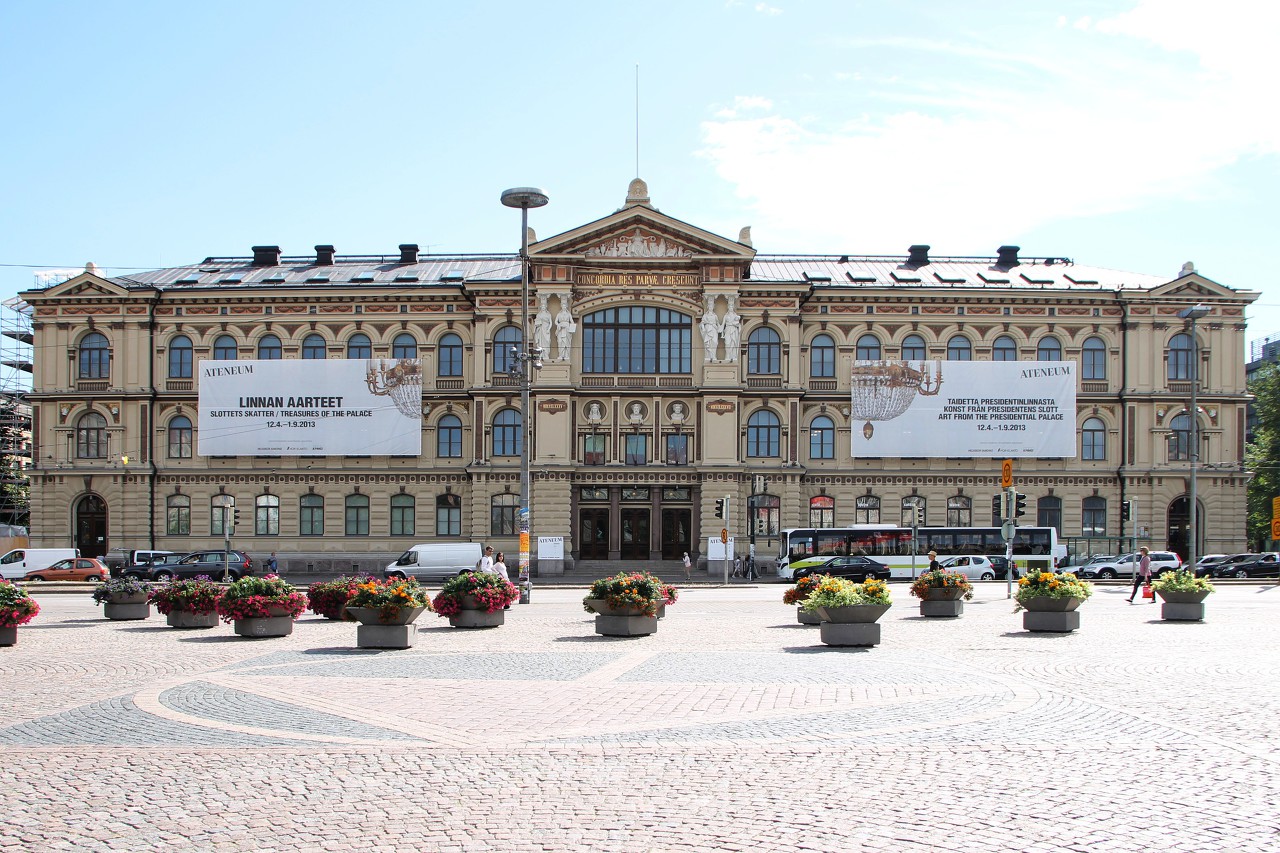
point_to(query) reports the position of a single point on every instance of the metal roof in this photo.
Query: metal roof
(304, 272)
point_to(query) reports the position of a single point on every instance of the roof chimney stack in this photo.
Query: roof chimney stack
(408, 253)
(1007, 256)
(919, 256)
(324, 256)
(266, 256)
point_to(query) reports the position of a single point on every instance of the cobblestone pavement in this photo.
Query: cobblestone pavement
(732, 728)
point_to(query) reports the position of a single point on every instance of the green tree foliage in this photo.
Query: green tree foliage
(1262, 455)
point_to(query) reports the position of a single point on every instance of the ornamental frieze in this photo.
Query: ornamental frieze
(983, 309)
(774, 303)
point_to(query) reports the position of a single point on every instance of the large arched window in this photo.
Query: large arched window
(314, 346)
(913, 348)
(359, 346)
(94, 357)
(1093, 440)
(91, 436)
(1049, 349)
(177, 515)
(507, 440)
(1093, 514)
(448, 514)
(764, 433)
(959, 511)
(269, 347)
(959, 349)
(1004, 349)
(822, 511)
(1093, 356)
(822, 438)
(266, 515)
(822, 357)
(449, 360)
(1049, 512)
(181, 357)
(225, 349)
(508, 340)
(1180, 438)
(868, 348)
(357, 515)
(180, 435)
(764, 352)
(311, 515)
(449, 437)
(403, 511)
(637, 339)
(404, 346)
(867, 510)
(502, 514)
(1181, 353)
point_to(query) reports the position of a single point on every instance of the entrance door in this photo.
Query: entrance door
(91, 526)
(593, 533)
(675, 533)
(635, 534)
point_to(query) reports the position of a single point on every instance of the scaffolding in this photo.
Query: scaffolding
(16, 377)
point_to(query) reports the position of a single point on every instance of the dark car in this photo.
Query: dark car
(1265, 566)
(117, 559)
(236, 564)
(854, 568)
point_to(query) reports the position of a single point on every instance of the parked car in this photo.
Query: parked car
(978, 567)
(856, 568)
(1262, 566)
(71, 569)
(211, 563)
(1206, 565)
(1123, 566)
(435, 561)
(1211, 570)
(18, 562)
(118, 558)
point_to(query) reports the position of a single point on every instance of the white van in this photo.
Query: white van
(435, 561)
(19, 561)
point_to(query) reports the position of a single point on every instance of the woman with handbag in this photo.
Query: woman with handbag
(1142, 574)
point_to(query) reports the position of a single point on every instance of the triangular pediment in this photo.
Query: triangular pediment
(640, 233)
(86, 284)
(1192, 285)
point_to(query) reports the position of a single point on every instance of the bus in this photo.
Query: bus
(1033, 547)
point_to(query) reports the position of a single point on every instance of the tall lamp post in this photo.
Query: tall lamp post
(1193, 313)
(524, 198)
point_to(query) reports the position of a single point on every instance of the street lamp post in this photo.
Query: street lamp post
(524, 198)
(1193, 313)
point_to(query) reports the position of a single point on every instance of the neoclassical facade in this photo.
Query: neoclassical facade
(678, 366)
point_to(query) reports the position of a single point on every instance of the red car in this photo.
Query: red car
(77, 569)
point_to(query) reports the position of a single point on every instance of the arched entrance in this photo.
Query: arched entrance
(91, 526)
(1178, 523)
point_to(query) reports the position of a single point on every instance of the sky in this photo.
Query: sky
(1130, 134)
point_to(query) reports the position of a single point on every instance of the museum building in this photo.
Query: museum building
(678, 367)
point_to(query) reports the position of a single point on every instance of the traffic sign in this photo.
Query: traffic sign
(1275, 507)
(1275, 528)
(1006, 473)
(1008, 530)
(724, 535)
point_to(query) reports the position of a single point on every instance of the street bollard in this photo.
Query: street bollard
(526, 589)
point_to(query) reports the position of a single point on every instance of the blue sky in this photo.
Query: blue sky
(1132, 134)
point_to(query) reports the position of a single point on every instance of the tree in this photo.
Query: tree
(15, 430)
(1262, 454)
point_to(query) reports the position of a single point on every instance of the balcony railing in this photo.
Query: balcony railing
(178, 384)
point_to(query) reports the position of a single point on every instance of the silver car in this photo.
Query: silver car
(1123, 566)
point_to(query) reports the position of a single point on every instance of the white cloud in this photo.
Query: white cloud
(766, 9)
(1118, 112)
(743, 104)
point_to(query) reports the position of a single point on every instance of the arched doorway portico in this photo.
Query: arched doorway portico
(91, 526)
(1177, 528)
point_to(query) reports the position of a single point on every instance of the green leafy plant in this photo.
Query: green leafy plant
(196, 595)
(491, 592)
(803, 588)
(17, 607)
(259, 598)
(838, 592)
(941, 579)
(389, 596)
(640, 590)
(1049, 585)
(329, 598)
(1181, 580)
(122, 586)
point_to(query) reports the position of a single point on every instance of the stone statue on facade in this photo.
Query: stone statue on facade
(565, 327)
(731, 327)
(710, 326)
(542, 328)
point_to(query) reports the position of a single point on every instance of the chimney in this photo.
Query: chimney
(919, 256)
(266, 256)
(324, 256)
(1007, 256)
(408, 253)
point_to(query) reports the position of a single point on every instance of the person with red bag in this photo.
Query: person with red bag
(1142, 574)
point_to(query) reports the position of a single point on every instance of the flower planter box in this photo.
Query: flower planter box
(806, 618)
(1182, 606)
(601, 607)
(9, 636)
(374, 615)
(1051, 615)
(942, 601)
(854, 625)
(127, 607)
(268, 626)
(188, 619)
(856, 613)
(386, 636)
(477, 618)
(626, 626)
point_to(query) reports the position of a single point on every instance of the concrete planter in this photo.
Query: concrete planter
(386, 636)
(943, 593)
(942, 601)
(478, 618)
(127, 607)
(626, 626)
(601, 607)
(1051, 605)
(9, 636)
(805, 618)
(374, 615)
(270, 626)
(188, 619)
(854, 625)
(1051, 615)
(856, 613)
(1182, 606)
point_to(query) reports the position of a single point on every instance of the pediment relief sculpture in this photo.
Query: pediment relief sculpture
(638, 244)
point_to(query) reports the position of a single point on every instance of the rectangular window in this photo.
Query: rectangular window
(357, 518)
(593, 450)
(178, 521)
(448, 521)
(637, 450)
(677, 450)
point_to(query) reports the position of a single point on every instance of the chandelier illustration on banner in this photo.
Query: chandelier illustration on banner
(401, 380)
(883, 390)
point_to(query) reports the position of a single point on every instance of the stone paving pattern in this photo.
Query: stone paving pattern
(732, 728)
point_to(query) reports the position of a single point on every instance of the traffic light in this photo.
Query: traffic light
(919, 515)
(1126, 510)
(719, 507)
(1019, 505)
(995, 507)
(235, 518)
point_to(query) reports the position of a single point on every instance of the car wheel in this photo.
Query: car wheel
(988, 576)
(164, 576)
(1107, 574)
(36, 578)
(1241, 573)
(93, 578)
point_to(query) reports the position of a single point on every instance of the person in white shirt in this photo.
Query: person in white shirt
(688, 567)
(485, 564)
(500, 567)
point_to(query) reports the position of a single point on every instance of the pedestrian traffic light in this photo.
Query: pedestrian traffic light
(1126, 510)
(919, 515)
(1019, 505)
(719, 507)
(235, 517)
(995, 507)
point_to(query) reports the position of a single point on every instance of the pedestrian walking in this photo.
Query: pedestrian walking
(688, 567)
(1142, 574)
(500, 566)
(272, 563)
(737, 567)
(934, 565)
(485, 563)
